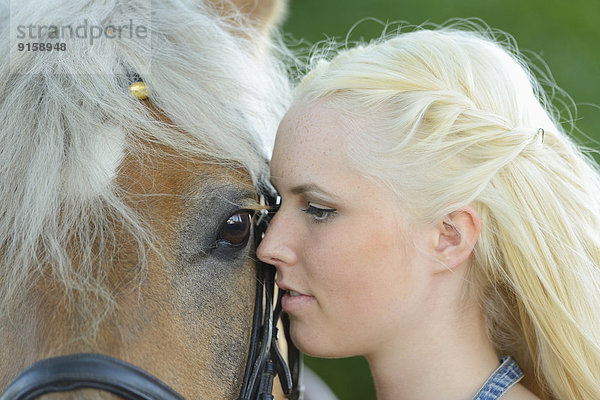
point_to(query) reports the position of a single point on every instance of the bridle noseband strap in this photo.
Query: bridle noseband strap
(88, 371)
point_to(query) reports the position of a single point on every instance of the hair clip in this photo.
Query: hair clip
(541, 130)
(138, 88)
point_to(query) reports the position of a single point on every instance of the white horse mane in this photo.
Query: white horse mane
(67, 120)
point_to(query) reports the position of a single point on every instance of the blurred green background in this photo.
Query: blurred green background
(566, 34)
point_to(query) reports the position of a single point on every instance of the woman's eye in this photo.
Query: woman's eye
(320, 214)
(236, 230)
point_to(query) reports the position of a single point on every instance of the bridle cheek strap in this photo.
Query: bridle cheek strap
(88, 371)
(264, 359)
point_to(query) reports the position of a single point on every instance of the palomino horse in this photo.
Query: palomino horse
(125, 217)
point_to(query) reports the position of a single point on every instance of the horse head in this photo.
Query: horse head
(125, 220)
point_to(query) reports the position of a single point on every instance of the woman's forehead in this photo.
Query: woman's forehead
(323, 121)
(310, 152)
(312, 136)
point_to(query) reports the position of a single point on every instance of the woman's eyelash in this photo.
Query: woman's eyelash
(319, 214)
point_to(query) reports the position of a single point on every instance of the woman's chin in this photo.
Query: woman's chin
(306, 340)
(312, 344)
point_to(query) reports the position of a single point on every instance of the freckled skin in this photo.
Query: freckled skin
(358, 265)
(369, 282)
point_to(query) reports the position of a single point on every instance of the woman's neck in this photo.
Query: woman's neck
(450, 359)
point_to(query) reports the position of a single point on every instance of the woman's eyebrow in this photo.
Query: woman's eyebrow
(312, 189)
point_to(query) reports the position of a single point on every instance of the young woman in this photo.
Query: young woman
(436, 219)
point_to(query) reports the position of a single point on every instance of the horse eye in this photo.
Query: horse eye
(236, 230)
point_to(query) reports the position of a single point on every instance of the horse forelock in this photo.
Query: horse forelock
(68, 122)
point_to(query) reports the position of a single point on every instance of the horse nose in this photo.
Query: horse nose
(276, 247)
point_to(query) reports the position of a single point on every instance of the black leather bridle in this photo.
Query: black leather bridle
(97, 371)
(264, 359)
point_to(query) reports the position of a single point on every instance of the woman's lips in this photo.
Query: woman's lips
(293, 301)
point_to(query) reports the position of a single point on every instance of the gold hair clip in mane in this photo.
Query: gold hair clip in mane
(138, 88)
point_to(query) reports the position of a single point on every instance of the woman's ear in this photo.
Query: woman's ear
(456, 236)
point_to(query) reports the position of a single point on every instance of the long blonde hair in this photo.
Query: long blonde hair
(456, 118)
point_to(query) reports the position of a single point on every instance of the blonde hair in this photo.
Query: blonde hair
(456, 118)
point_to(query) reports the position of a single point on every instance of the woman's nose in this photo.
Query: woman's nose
(276, 246)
